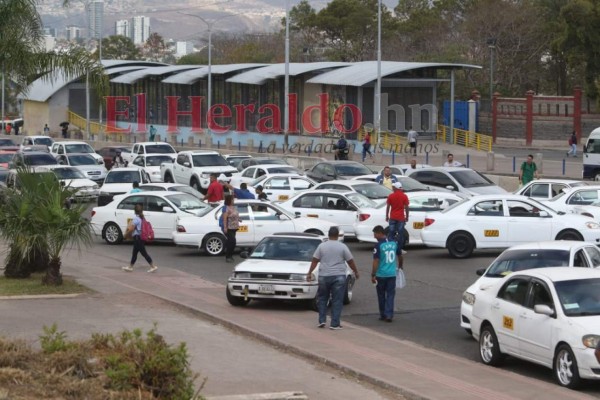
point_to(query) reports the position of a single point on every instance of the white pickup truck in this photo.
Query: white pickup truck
(194, 167)
(148, 148)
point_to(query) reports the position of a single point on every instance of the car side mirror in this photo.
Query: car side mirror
(543, 309)
(450, 187)
(168, 209)
(544, 214)
(480, 271)
(244, 254)
(187, 164)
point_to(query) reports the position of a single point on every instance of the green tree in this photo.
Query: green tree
(119, 47)
(155, 48)
(193, 59)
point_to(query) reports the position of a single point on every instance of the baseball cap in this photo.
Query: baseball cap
(397, 185)
(223, 178)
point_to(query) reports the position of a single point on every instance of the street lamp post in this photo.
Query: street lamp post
(378, 88)
(286, 90)
(491, 42)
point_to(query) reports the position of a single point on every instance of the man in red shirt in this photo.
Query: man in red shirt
(214, 193)
(396, 214)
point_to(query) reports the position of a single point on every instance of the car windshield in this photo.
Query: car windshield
(68, 173)
(579, 297)
(43, 141)
(519, 260)
(352, 169)
(159, 149)
(361, 201)
(283, 170)
(286, 249)
(122, 177)
(209, 160)
(372, 190)
(187, 189)
(258, 180)
(453, 206)
(155, 161)
(79, 148)
(185, 202)
(39, 159)
(7, 142)
(411, 185)
(469, 178)
(6, 158)
(82, 159)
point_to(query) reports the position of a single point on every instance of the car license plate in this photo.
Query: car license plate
(266, 289)
(418, 225)
(283, 197)
(243, 228)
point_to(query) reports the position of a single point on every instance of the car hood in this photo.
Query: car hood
(90, 167)
(493, 189)
(483, 283)
(273, 266)
(78, 183)
(587, 325)
(116, 187)
(216, 169)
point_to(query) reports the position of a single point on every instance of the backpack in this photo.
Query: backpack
(147, 234)
(221, 222)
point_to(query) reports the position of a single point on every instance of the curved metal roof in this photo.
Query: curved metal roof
(191, 76)
(121, 63)
(361, 73)
(112, 71)
(259, 76)
(135, 76)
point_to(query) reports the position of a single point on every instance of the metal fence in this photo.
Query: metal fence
(464, 138)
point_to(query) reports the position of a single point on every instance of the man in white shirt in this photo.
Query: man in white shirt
(412, 140)
(451, 163)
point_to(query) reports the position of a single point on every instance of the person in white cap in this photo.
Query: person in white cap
(396, 214)
(225, 182)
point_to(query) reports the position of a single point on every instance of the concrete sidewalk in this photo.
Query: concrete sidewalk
(402, 367)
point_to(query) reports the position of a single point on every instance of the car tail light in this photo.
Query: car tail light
(429, 221)
(181, 229)
(363, 217)
(93, 213)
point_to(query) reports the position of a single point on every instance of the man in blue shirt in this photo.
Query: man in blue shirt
(242, 192)
(387, 259)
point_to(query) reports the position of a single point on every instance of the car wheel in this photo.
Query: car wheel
(461, 245)
(214, 244)
(112, 233)
(168, 178)
(315, 231)
(565, 368)
(569, 235)
(349, 286)
(489, 349)
(236, 301)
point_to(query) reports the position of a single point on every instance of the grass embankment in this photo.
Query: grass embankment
(33, 286)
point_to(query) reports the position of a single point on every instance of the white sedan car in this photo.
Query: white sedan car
(545, 189)
(258, 220)
(162, 209)
(577, 200)
(171, 187)
(151, 164)
(337, 206)
(420, 203)
(252, 173)
(280, 187)
(555, 253)
(500, 221)
(548, 316)
(277, 269)
(73, 178)
(374, 191)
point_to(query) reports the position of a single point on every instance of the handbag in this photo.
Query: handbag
(400, 279)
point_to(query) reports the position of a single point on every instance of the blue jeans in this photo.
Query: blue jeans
(396, 232)
(334, 287)
(386, 291)
(573, 150)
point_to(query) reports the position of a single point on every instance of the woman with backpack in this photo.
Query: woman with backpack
(231, 224)
(141, 230)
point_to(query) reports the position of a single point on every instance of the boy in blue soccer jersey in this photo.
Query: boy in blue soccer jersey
(387, 259)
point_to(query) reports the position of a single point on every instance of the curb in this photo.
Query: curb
(41, 296)
(263, 396)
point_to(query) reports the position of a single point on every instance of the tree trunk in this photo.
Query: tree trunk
(15, 265)
(53, 276)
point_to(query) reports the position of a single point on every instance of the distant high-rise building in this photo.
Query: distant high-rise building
(50, 32)
(95, 19)
(140, 29)
(73, 32)
(183, 48)
(122, 28)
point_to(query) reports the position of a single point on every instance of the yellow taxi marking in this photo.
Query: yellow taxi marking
(418, 225)
(312, 215)
(491, 233)
(243, 228)
(283, 197)
(508, 322)
(129, 221)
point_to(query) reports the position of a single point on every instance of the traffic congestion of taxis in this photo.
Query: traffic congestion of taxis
(538, 300)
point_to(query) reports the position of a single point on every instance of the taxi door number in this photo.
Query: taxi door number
(243, 228)
(312, 215)
(418, 225)
(491, 233)
(283, 197)
(129, 221)
(508, 323)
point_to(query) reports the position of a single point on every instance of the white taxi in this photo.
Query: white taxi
(420, 203)
(501, 221)
(548, 316)
(258, 219)
(554, 253)
(545, 189)
(151, 164)
(277, 269)
(374, 191)
(162, 209)
(250, 174)
(280, 187)
(578, 200)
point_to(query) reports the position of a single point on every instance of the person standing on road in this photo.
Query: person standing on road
(260, 194)
(396, 214)
(450, 162)
(367, 147)
(152, 132)
(135, 229)
(387, 259)
(412, 136)
(528, 171)
(332, 256)
(214, 193)
(573, 144)
(231, 224)
(386, 178)
(46, 130)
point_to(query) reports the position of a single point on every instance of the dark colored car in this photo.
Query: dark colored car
(259, 161)
(32, 159)
(108, 153)
(8, 143)
(331, 170)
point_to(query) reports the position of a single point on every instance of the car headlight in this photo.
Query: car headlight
(592, 225)
(298, 277)
(242, 275)
(591, 341)
(95, 187)
(204, 175)
(468, 298)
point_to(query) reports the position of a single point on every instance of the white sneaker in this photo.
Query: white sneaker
(127, 269)
(404, 252)
(152, 269)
